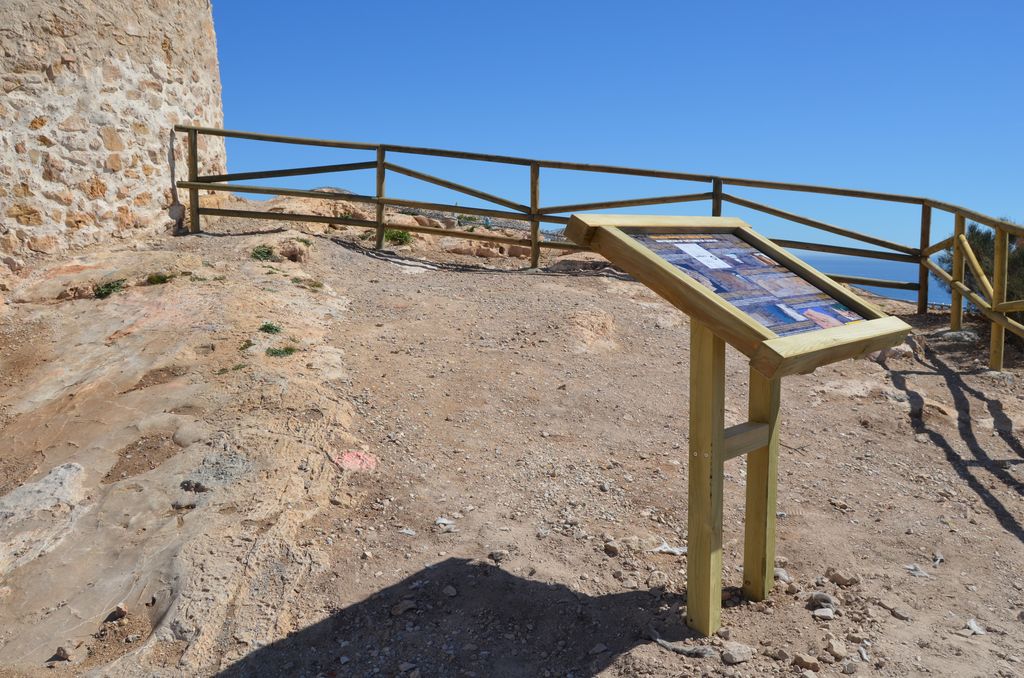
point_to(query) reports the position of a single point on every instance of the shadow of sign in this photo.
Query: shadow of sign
(464, 618)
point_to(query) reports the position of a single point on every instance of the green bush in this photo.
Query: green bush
(270, 328)
(263, 253)
(158, 278)
(396, 235)
(281, 352)
(106, 289)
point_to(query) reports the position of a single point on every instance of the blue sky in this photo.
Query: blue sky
(922, 98)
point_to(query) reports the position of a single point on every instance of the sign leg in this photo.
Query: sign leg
(762, 482)
(707, 441)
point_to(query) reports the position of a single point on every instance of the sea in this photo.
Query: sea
(880, 269)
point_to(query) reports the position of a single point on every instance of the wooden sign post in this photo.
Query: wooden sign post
(738, 288)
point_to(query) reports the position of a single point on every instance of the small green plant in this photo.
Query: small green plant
(307, 283)
(239, 366)
(282, 352)
(197, 278)
(158, 278)
(222, 370)
(270, 328)
(246, 344)
(106, 289)
(220, 278)
(305, 241)
(263, 253)
(396, 235)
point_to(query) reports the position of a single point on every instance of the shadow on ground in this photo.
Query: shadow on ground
(979, 458)
(238, 234)
(578, 269)
(496, 625)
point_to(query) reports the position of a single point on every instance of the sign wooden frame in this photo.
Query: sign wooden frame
(771, 355)
(715, 321)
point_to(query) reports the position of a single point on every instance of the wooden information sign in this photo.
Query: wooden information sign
(737, 287)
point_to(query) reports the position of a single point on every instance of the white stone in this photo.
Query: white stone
(737, 653)
(35, 517)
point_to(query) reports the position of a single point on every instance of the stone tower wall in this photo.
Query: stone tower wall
(89, 92)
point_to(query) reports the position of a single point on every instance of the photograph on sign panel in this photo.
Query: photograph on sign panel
(751, 280)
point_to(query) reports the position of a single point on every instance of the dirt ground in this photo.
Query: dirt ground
(428, 464)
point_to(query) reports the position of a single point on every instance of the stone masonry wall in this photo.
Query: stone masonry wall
(89, 92)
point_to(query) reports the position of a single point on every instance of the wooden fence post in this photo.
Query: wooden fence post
(707, 460)
(762, 485)
(379, 243)
(716, 197)
(922, 276)
(534, 206)
(193, 174)
(956, 310)
(999, 271)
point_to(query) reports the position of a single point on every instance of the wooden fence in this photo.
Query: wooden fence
(991, 302)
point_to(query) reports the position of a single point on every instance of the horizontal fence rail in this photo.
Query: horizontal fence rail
(991, 302)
